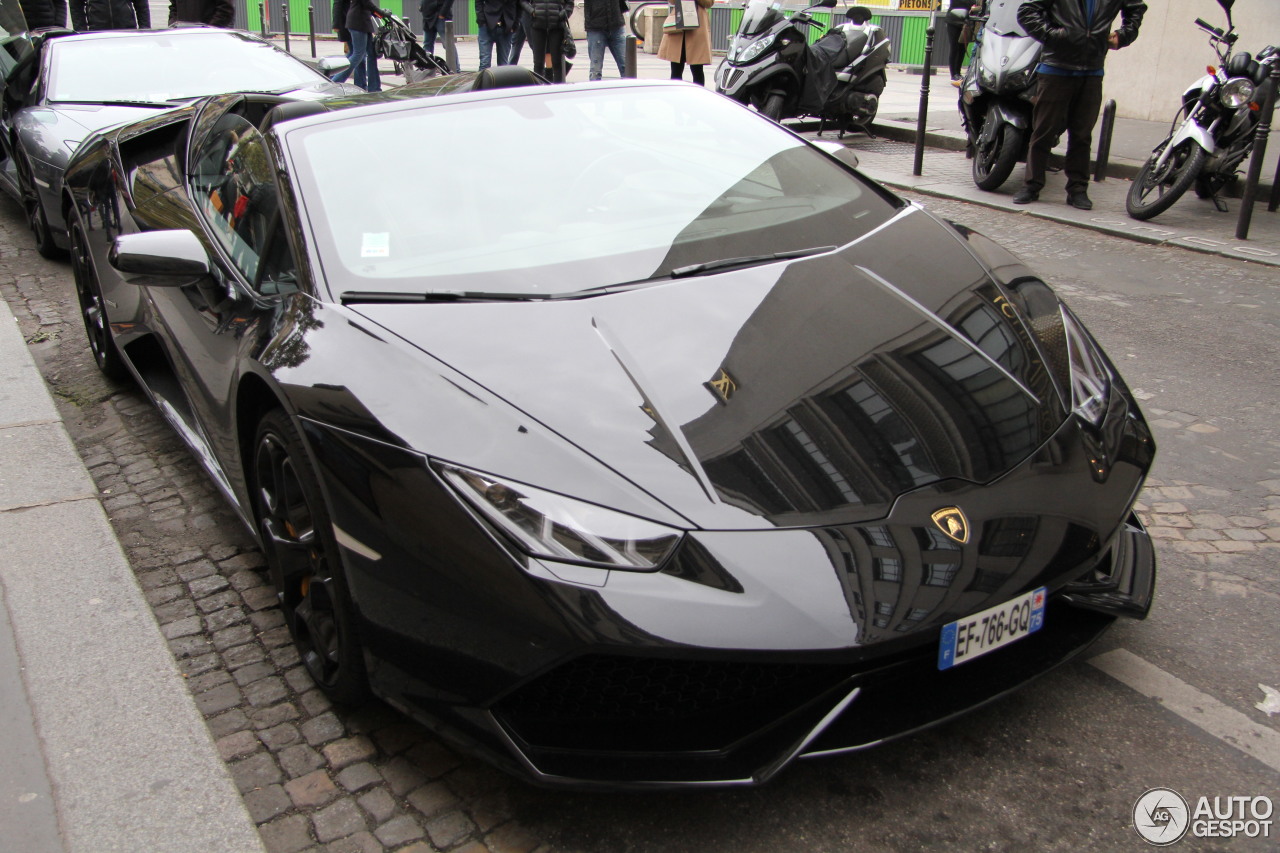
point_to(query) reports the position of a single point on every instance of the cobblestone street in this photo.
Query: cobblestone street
(313, 776)
(319, 777)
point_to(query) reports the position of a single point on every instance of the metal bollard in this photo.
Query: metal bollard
(311, 28)
(1259, 151)
(1104, 140)
(262, 18)
(450, 48)
(630, 69)
(284, 19)
(924, 101)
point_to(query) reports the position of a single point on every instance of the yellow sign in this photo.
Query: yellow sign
(920, 5)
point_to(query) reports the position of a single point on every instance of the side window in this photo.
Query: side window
(231, 183)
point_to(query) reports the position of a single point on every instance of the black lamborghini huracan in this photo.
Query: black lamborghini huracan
(621, 434)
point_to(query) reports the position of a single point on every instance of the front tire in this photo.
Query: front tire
(302, 555)
(94, 313)
(1153, 193)
(34, 209)
(993, 166)
(772, 106)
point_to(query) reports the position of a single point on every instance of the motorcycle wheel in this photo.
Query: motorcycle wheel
(1153, 193)
(993, 167)
(772, 106)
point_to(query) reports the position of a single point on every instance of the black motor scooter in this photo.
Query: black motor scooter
(995, 95)
(772, 67)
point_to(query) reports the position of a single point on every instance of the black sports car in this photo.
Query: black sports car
(626, 437)
(60, 86)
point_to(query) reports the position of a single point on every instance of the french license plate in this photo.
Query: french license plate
(974, 636)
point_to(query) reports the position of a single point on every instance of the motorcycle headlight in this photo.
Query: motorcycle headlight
(755, 49)
(545, 524)
(1090, 376)
(1236, 92)
(986, 78)
(1022, 79)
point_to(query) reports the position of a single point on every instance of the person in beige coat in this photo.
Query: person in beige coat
(692, 47)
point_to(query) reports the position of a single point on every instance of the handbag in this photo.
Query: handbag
(966, 33)
(682, 16)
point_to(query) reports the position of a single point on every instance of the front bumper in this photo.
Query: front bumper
(595, 722)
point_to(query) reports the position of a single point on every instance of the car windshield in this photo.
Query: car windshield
(555, 192)
(1003, 18)
(160, 67)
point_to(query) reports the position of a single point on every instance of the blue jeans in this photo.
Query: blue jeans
(517, 37)
(597, 41)
(489, 39)
(364, 62)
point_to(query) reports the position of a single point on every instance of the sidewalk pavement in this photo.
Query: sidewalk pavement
(101, 745)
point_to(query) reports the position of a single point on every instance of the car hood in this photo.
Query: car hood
(787, 395)
(73, 122)
(76, 121)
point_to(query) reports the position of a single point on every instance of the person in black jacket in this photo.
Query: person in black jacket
(40, 14)
(110, 15)
(1076, 35)
(435, 13)
(364, 57)
(496, 22)
(603, 22)
(215, 13)
(548, 21)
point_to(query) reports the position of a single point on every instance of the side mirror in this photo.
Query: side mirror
(858, 14)
(825, 4)
(835, 149)
(160, 258)
(958, 16)
(331, 65)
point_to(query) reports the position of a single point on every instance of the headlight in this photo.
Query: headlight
(1236, 92)
(1021, 79)
(986, 78)
(1077, 366)
(556, 527)
(755, 49)
(1090, 376)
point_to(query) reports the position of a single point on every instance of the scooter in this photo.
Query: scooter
(1221, 120)
(771, 66)
(995, 94)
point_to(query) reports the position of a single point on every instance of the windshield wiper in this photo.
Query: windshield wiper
(382, 297)
(751, 260)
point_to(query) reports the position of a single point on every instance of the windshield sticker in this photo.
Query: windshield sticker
(376, 245)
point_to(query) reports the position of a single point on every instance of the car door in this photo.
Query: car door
(218, 324)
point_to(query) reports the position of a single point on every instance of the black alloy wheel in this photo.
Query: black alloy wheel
(34, 210)
(93, 311)
(993, 165)
(1154, 190)
(302, 555)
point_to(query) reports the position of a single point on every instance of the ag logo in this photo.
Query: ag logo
(1161, 816)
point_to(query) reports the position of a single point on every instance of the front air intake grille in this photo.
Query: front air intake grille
(608, 702)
